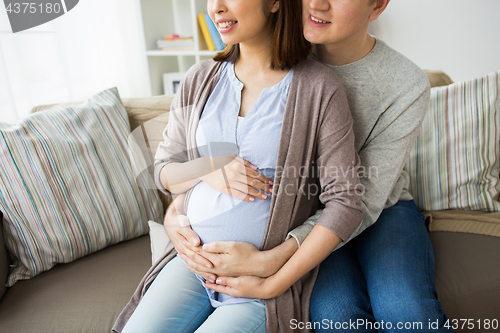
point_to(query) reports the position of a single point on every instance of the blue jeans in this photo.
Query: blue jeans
(176, 301)
(384, 275)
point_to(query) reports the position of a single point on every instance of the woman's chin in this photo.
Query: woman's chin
(229, 41)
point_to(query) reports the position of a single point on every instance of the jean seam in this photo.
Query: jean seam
(263, 322)
(197, 315)
(432, 287)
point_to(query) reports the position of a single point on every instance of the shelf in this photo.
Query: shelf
(159, 18)
(157, 53)
(160, 53)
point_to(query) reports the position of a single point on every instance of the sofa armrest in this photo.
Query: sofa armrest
(4, 261)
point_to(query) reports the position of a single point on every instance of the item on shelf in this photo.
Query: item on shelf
(172, 37)
(171, 82)
(214, 33)
(206, 32)
(175, 42)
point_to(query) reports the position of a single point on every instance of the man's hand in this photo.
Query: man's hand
(246, 286)
(228, 259)
(234, 259)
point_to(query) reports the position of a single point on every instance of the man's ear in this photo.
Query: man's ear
(275, 7)
(379, 7)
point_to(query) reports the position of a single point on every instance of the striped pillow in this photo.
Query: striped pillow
(66, 185)
(455, 161)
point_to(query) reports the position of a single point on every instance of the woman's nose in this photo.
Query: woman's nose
(217, 6)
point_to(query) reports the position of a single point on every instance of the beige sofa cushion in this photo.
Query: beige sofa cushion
(86, 295)
(467, 275)
(438, 78)
(152, 115)
(466, 221)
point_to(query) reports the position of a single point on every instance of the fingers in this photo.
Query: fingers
(177, 240)
(207, 276)
(248, 168)
(188, 233)
(179, 225)
(246, 190)
(254, 178)
(184, 239)
(238, 190)
(227, 281)
(225, 285)
(218, 247)
(246, 163)
(196, 258)
(238, 178)
(259, 181)
(256, 183)
(192, 260)
(251, 171)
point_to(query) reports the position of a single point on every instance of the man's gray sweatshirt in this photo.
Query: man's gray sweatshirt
(388, 96)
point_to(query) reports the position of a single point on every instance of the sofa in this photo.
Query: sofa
(88, 294)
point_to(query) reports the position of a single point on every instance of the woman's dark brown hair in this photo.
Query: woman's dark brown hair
(289, 47)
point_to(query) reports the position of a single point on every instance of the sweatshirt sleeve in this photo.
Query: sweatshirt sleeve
(338, 164)
(383, 159)
(385, 156)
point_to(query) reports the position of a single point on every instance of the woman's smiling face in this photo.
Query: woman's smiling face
(242, 21)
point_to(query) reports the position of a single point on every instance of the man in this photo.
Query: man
(383, 277)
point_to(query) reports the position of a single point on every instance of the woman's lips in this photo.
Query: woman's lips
(226, 26)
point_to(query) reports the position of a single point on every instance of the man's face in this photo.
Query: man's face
(336, 22)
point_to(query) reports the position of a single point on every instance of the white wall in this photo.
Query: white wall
(95, 46)
(460, 37)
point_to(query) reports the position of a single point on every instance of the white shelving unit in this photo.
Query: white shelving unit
(166, 17)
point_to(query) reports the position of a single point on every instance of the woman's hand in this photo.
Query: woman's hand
(179, 231)
(247, 286)
(236, 177)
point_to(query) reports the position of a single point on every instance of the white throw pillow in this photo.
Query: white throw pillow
(159, 240)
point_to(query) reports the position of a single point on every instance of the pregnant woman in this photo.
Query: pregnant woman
(263, 112)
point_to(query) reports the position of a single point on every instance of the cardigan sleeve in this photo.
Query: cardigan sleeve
(338, 164)
(174, 147)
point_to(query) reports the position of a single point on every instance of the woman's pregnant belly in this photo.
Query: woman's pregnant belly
(215, 216)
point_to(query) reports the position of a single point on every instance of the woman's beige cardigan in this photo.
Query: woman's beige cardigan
(316, 134)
